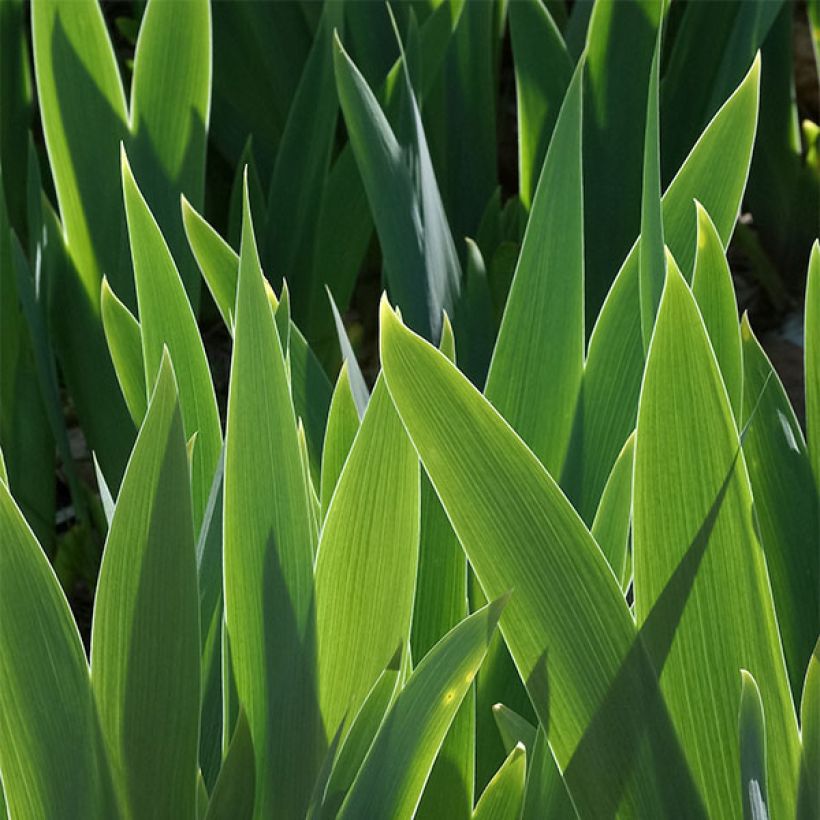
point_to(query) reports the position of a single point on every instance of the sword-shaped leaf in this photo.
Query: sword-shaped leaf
(268, 555)
(393, 774)
(367, 561)
(145, 640)
(686, 457)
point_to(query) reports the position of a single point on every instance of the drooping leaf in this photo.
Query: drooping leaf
(537, 364)
(393, 774)
(268, 554)
(686, 461)
(787, 505)
(145, 642)
(166, 318)
(752, 726)
(367, 561)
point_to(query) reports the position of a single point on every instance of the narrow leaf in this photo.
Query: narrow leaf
(124, 337)
(537, 364)
(752, 750)
(715, 294)
(687, 448)
(145, 641)
(394, 772)
(367, 561)
(268, 555)
(502, 798)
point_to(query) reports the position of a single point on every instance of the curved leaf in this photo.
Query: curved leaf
(503, 797)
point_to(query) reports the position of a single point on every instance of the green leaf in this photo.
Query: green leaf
(513, 728)
(503, 797)
(367, 561)
(24, 429)
(441, 603)
(689, 476)
(812, 356)
(537, 365)
(475, 318)
(542, 73)
(620, 43)
(359, 735)
(217, 261)
(651, 257)
(310, 386)
(357, 384)
(342, 426)
(78, 83)
(714, 292)
(233, 794)
(345, 224)
(715, 174)
(52, 757)
(785, 502)
(420, 260)
(611, 525)
(393, 774)
(725, 38)
(808, 794)
(145, 642)
(166, 318)
(299, 174)
(520, 532)
(268, 554)
(752, 725)
(546, 794)
(170, 107)
(124, 337)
